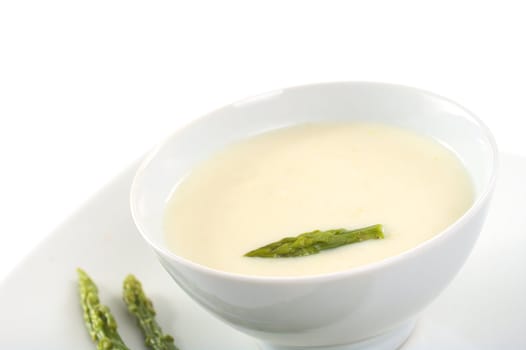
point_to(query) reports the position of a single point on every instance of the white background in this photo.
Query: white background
(86, 87)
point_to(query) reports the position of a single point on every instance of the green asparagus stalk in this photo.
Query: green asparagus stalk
(101, 324)
(142, 308)
(315, 241)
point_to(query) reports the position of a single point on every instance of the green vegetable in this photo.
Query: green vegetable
(315, 241)
(142, 308)
(98, 318)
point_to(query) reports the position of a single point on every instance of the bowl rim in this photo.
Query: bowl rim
(481, 199)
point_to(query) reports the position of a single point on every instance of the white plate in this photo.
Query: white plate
(483, 308)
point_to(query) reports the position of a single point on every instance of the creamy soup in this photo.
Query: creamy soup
(316, 176)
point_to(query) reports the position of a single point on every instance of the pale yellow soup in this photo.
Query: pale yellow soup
(316, 176)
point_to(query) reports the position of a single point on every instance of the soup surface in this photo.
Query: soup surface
(316, 176)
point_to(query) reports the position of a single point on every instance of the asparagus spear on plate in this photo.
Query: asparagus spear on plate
(142, 308)
(315, 241)
(100, 322)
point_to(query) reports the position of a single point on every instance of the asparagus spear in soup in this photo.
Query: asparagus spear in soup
(316, 241)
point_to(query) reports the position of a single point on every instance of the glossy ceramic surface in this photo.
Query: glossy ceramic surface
(348, 307)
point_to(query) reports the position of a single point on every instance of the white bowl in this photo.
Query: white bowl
(370, 306)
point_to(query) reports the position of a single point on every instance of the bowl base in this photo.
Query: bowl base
(390, 340)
